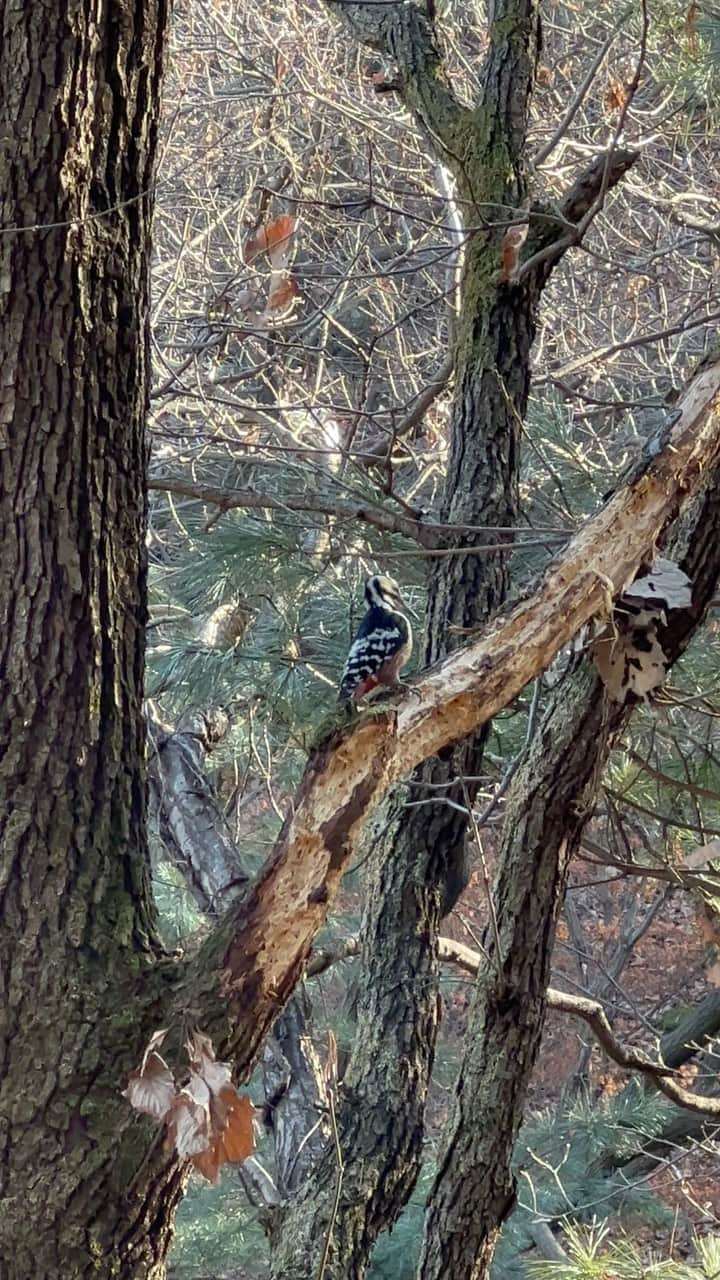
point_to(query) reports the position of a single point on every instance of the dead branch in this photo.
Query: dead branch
(261, 947)
(590, 1011)
(248, 500)
(545, 244)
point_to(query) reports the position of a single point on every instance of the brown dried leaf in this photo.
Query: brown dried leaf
(234, 1144)
(238, 1139)
(151, 1090)
(189, 1125)
(513, 240)
(215, 1075)
(275, 239)
(208, 1162)
(616, 95)
(283, 290)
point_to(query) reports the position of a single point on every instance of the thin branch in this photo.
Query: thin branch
(598, 354)
(590, 1011)
(577, 101)
(248, 499)
(546, 255)
(374, 451)
(544, 245)
(594, 1015)
(431, 536)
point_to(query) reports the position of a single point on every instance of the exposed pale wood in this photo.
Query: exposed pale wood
(269, 934)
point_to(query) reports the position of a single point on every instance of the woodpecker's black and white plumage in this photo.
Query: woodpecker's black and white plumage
(382, 645)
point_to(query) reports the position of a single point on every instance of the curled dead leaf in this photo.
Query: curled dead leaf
(665, 584)
(151, 1090)
(627, 652)
(208, 1121)
(513, 241)
(188, 1128)
(629, 657)
(275, 239)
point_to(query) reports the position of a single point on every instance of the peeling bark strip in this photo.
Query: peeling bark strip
(79, 89)
(272, 930)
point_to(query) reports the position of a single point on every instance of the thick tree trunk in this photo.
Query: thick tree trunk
(420, 864)
(550, 802)
(419, 867)
(79, 87)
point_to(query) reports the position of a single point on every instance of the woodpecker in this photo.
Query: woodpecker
(382, 645)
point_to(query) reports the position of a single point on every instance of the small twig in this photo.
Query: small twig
(516, 762)
(578, 100)
(485, 872)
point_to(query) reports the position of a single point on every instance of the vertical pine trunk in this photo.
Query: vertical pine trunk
(419, 861)
(79, 85)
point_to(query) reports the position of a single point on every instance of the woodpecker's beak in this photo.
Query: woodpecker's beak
(401, 603)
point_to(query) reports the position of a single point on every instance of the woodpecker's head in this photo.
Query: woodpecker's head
(383, 592)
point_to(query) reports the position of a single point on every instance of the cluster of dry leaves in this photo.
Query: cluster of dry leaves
(275, 241)
(208, 1122)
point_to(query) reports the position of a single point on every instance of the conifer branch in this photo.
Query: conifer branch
(259, 951)
(429, 536)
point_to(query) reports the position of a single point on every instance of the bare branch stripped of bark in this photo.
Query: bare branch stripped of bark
(551, 800)
(262, 945)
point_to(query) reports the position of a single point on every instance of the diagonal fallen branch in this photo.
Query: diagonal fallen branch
(262, 944)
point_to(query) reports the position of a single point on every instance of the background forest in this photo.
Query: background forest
(308, 252)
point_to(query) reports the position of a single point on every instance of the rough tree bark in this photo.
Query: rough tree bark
(420, 863)
(550, 802)
(419, 867)
(197, 840)
(79, 85)
(83, 982)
